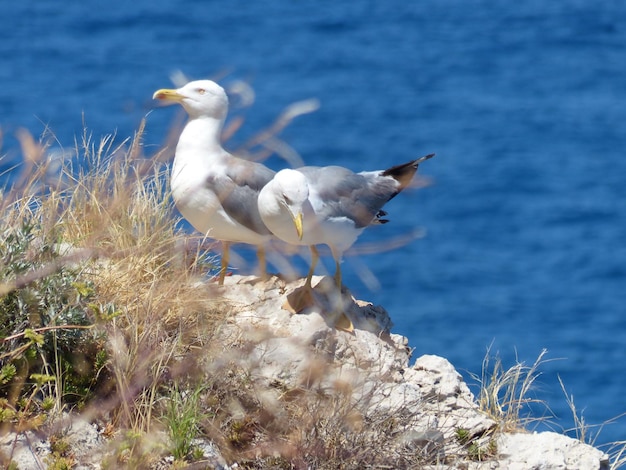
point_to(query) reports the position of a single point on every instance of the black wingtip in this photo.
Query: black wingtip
(423, 159)
(404, 173)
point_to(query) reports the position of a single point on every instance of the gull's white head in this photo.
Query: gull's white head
(200, 98)
(292, 191)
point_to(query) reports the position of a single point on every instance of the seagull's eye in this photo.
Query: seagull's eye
(201, 91)
(287, 200)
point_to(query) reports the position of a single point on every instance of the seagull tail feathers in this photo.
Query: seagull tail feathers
(403, 173)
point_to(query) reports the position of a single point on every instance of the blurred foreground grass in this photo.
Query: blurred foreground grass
(100, 296)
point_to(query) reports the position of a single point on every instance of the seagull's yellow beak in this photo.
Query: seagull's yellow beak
(297, 220)
(165, 94)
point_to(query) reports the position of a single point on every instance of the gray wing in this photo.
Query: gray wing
(343, 193)
(238, 191)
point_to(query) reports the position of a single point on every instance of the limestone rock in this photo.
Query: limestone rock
(29, 449)
(26, 450)
(548, 451)
(431, 396)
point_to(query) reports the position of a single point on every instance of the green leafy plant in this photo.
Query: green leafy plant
(133, 449)
(45, 319)
(463, 436)
(475, 450)
(480, 453)
(182, 418)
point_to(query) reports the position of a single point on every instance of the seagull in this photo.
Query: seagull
(329, 205)
(215, 191)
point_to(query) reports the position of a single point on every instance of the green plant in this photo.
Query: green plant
(59, 463)
(480, 453)
(59, 445)
(182, 417)
(462, 436)
(133, 450)
(45, 320)
(7, 373)
(60, 457)
(475, 451)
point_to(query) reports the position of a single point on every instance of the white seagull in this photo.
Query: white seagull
(329, 205)
(214, 190)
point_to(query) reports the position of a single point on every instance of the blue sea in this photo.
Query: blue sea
(524, 104)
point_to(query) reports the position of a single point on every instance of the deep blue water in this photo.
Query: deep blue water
(524, 105)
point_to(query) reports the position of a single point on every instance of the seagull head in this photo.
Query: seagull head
(292, 191)
(200, 98)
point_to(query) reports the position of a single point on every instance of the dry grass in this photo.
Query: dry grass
(108, 227)
(617, 451)
(505, 396)
(505, 393)
(589, 433)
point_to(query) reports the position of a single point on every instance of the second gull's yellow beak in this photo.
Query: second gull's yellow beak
(297, 220)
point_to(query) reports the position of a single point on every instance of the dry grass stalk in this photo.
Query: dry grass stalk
(505, 394)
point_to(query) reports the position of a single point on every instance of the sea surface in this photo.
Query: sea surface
(523, 224)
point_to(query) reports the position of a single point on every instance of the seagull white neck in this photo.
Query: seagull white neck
(201, 136)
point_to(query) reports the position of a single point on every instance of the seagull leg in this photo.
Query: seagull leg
(338, 274)
(315, 256)
(302, 297)
(343, 322)
(224, 266)
(260, 254)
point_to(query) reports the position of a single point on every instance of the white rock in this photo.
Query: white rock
(548, 451)
(29, 450)
(431, 396)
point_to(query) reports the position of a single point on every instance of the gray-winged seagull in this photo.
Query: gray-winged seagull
(329, 205)
(214, 190)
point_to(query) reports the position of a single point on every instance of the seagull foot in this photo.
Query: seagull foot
(299, 300)
(344, 323)
(304, 297)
